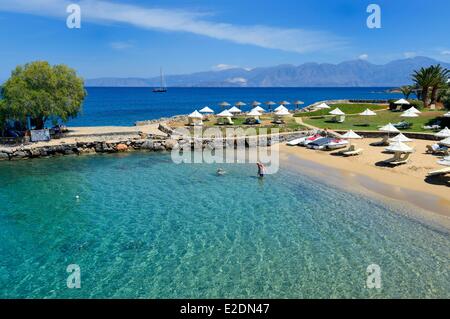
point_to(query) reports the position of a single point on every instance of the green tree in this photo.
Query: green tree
(406, 90)
(423, 78)
(440, 78)
(43, 92)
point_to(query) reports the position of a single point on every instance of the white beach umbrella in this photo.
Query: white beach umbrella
(414, 110)
(270, 103)
(399, 147)
(259, 109)
(400, 138)
(409, 113)
(281, 107)
(224, 104)
(234, 110)
(445, 142)
(195, 115)
(256, 103)
(225, 113)
(285, 103)
(444, 133)
(322, 106)
(297, 103)
(368, 112)
(254, 112)
(351, 135)
(240, 104)
(402, 102)
(337, 111)
(282, 112)
(389, 128)
(206, 110)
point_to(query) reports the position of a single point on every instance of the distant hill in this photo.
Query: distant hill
(357, 73)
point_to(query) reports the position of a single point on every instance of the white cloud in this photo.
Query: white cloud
(445, 52)
(286, 39)
(121, 45)
(222, 67)
(364, 56)
(409, 54)
(237, 80)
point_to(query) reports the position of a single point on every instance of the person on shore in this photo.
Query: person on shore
(261, 169)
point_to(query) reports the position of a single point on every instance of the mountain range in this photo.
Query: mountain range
(355, 73)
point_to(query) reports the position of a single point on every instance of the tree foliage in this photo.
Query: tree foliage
(433, 78)
(43, 92)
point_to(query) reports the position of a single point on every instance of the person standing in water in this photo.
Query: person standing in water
(261, 169)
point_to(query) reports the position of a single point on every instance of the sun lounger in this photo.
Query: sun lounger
(383, 142)
(353, 153)
(398, 159)
(351, 148)
(403, 125)
(437, 150)
(439, 172)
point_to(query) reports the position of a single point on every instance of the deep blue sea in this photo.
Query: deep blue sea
(125, 106)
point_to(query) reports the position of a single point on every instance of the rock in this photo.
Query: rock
(158, 147)
(121, 147)
(147, 145)
(171, 144)
(4, 156)
(20, 154)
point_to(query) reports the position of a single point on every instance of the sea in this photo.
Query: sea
(125, 106)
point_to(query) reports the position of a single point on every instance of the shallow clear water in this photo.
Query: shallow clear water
(125, 106)
(145, 227)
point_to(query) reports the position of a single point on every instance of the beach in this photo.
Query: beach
(405, 183)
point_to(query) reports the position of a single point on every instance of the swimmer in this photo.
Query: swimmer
(220, 171)
(261, 169)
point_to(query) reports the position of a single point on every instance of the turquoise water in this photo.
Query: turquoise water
(145, 227)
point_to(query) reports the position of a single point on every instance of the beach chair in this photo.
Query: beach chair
(437, 150)
(351, 148)
(383, 142)
(353, 153)
(403, 125)
(439, 172)
(401, 160)
(397, 157)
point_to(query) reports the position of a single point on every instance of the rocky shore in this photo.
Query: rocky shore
(113, 144)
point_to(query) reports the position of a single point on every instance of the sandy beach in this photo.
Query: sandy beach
(406, 183)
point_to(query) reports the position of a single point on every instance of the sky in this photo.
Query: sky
(134, 38)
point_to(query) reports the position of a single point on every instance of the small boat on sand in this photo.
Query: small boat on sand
(310, 139)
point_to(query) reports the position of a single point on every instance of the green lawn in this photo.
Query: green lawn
(355, 122)
(290, 124)
(346, 108)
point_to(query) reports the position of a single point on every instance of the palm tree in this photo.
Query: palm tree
(424, 80)
(406, 90)
(440, 77)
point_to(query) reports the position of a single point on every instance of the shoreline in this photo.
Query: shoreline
(383, 183)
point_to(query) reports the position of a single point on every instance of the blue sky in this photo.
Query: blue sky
(135, 37)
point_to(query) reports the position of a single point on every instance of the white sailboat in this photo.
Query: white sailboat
(162, 88)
